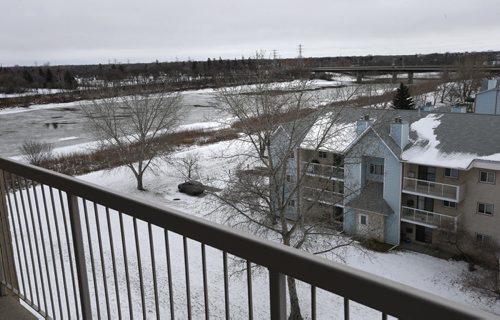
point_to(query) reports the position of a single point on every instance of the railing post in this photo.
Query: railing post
(277, 292)
(81, 267)
(6, 243)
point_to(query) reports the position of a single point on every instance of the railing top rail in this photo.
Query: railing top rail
(376, 292)
(321, 164)
(427, 181)
(431, 212)
(322, 190)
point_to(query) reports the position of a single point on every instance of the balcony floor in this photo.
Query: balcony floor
(10, 308)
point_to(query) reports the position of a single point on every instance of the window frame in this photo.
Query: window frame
(488, 173)
(322, 154)
(291, 203)
(450, 175)
(482, 238)
(374, 166)
(361, 216)
(448, 205)
(290, 178)
(485, 204)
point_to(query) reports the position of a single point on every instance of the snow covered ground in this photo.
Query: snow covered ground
(31, 92)
(430, 274)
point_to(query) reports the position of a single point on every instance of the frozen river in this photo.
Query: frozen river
(65, 124)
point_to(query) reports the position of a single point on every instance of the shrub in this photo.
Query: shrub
(36, 152)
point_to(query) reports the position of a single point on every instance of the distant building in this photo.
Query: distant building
(396, 175)
(488, 100)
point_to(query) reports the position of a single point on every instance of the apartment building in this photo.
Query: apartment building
(402, 176)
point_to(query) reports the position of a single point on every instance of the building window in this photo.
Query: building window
(485, 208)
(487, 177)
(377, 169)
(341, 187)
(337, 160)
(291, 203)
(482, 238)
(323, 154)
(363, 219)
(292, 155)
(449, 204)
(450, 173)
(289, 178)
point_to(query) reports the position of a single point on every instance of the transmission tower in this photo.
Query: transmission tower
(301, 48)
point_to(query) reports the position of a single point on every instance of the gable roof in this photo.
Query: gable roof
(438, 139)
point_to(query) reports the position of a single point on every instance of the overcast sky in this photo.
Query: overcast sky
(99, 31)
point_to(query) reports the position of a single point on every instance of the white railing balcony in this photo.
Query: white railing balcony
(438, 220)
(431, 189)
(321, 195)
(323, 170)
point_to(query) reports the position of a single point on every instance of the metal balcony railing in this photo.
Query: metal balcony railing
(323, 170)
(433, 189)
(73, 250)
(321, 195)
(439, 220)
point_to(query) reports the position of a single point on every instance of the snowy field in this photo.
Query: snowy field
(430, 274)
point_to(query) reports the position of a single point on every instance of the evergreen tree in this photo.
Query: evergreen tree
(69, 81)
(402, 98)
(27, 76)
(48, 76)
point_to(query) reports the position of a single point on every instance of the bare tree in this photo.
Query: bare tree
(274, 118)
(188, 165)
(36, 152)
(132, 121)
(467, 79)
(475, 250)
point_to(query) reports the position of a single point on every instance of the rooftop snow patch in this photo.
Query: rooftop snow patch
(330, 134)
(427, 149)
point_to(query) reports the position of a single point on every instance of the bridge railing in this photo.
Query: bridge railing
(70, 249)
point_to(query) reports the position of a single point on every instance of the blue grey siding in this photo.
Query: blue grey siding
(356, 174)
(488, 102)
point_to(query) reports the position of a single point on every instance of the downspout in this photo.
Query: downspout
(402, 170)
(300, 185)
(496, 100)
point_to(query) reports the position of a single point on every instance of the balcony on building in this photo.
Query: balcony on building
(431, 182)
(322, 164)
(429, 219)
(430, 212)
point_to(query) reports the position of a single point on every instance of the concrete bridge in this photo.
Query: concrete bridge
(361, 71)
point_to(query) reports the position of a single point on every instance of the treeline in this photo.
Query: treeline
(207, 73)
(19, 79)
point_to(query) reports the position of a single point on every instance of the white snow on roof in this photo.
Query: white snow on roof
(330, 134)
(425, 149)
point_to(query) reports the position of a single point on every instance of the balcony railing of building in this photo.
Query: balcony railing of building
(433, 189)
(323, 170)
(438, 220)
(73, 250)
(321, 195)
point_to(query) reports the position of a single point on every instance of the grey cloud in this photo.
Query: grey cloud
(69, 31)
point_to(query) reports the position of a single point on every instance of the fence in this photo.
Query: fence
(71, 249)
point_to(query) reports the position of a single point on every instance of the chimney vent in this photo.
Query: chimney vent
(399, 131)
